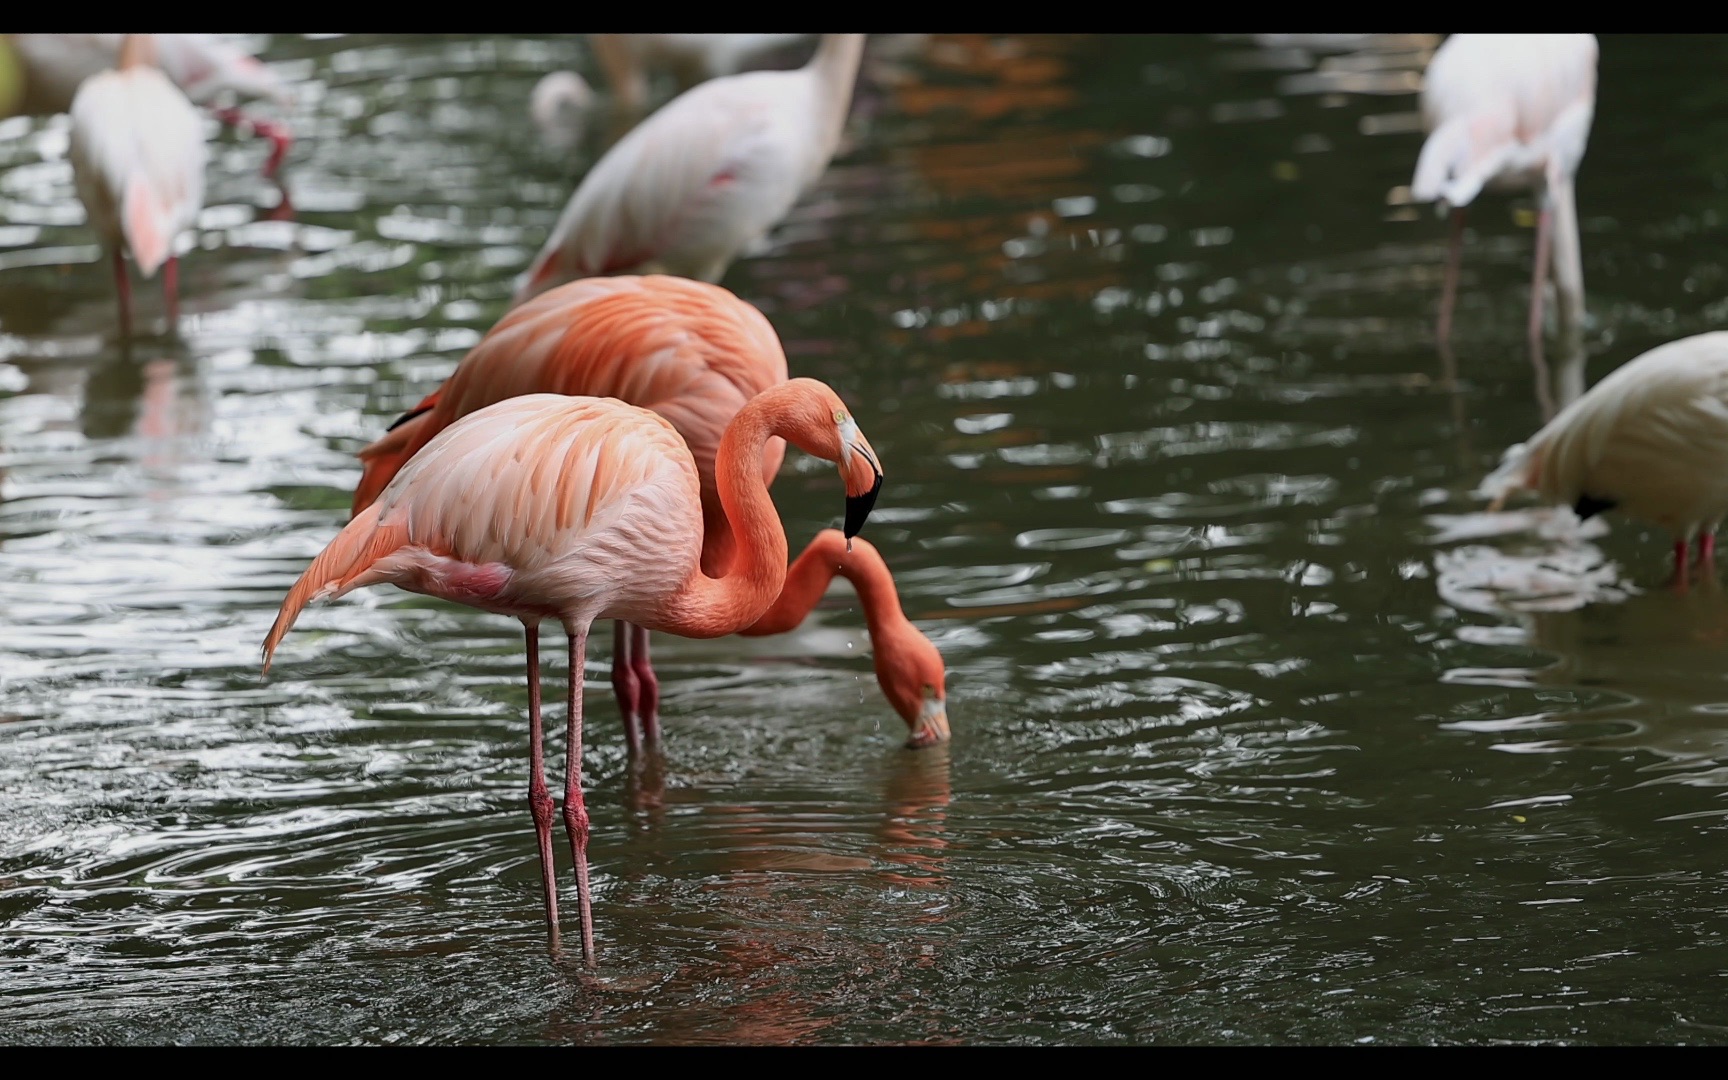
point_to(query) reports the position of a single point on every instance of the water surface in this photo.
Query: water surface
(1264, 731)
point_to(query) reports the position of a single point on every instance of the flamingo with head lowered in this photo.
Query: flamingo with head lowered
(1511, 112)
(576, 509)
(1650, 440)
(138, 158)
(707, 175)
(694, 353)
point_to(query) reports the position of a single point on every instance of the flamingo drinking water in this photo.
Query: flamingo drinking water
(1649, 439)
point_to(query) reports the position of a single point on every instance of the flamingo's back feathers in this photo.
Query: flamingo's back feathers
(692, 352)
(1650, 437)
(1502, 108)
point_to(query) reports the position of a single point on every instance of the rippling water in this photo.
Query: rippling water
(1264, 730)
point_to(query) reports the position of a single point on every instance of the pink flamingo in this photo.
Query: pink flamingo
(694, 353)
(575, 508)
(1509, 112)
(138, 158)
(705, 176)
(203, 66)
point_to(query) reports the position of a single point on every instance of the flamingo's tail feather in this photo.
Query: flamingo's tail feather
(341, 566)
(145, 223)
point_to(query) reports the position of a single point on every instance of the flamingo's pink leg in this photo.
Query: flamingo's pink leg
(1544, 392)
(1449, 291)
(125, 290)
(1679, 581)
(624, 686)
(171, 289)
(539, 799)
(648, 682)
(1707, 549)
(575, 812)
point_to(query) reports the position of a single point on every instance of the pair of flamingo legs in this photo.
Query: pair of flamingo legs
(1539, 277)
(638, 691)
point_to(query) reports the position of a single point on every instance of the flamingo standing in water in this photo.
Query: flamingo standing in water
(1649, 439)
(694, 353)
(1509, 112)
(138, 157)
(705, 176)
(203, 66)
(580, 508)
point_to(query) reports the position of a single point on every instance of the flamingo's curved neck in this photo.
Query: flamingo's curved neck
(716, 606)
(835, 66)
(137, 50)
(808, 579)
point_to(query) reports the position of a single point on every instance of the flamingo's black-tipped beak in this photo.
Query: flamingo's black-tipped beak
(858, 508)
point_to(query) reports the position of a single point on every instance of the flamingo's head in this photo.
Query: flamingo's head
(914, 680)
(813, 418)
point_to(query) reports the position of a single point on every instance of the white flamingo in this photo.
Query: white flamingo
(1513, 112)
(138, 159)
(203, 66)
(559, 106)
(1649, 439)
(710, 173)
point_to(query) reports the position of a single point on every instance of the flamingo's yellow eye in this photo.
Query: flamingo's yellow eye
(839, 416)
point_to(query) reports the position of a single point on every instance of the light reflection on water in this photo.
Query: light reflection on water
(1264, 729)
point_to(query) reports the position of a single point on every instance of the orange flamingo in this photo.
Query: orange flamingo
(577, 508)
(694, 353)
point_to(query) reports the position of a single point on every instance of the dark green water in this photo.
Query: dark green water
(1264, 731)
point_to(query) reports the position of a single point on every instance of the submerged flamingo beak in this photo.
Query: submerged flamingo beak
(932, 725)
(862, 474)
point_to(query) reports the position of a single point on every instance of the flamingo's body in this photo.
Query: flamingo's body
(704, 177)
(1650, 439)
(1512, 112)
(693, 353)
(138, 158)
(203, 66)
(692, 58)
(545, 506)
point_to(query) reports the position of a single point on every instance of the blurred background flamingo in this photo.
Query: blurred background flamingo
(1513, 112)
(694, 353)
(575, 509)
(704, 177)
(138, 158)
(206, 68)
